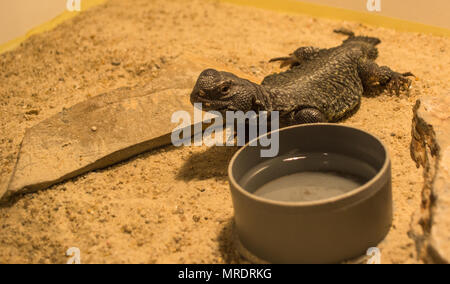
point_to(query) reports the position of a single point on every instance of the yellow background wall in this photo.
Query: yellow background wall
(430, 12)
(19, 16)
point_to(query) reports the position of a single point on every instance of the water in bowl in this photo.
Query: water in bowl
(302, 177)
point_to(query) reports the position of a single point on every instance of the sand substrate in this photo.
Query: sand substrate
(173, 205)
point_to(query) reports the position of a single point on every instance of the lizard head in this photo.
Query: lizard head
(223, 91)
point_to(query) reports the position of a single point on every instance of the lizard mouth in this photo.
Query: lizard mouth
(207, 104)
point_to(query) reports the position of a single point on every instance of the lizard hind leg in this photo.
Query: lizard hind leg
(376, 78)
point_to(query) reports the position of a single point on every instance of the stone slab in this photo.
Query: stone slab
(430, 148)
(106, 129)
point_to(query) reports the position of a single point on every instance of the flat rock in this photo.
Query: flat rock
(106, 129)
(430, 148)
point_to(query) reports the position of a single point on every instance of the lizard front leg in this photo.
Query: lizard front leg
(305, 115)
(296, 58)
(376, 78)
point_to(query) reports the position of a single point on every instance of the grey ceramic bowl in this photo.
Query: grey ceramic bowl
(324, 231)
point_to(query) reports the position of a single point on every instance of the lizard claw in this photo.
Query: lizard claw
(399, 82)
(285, 61)
(408, 74)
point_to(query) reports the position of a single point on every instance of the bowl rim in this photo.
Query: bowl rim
(299, 204)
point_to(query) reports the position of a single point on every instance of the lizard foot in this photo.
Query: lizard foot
(399, 82)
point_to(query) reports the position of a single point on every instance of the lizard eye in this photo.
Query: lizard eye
(225, 89)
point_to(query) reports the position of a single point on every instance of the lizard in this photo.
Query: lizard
(320, 85)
